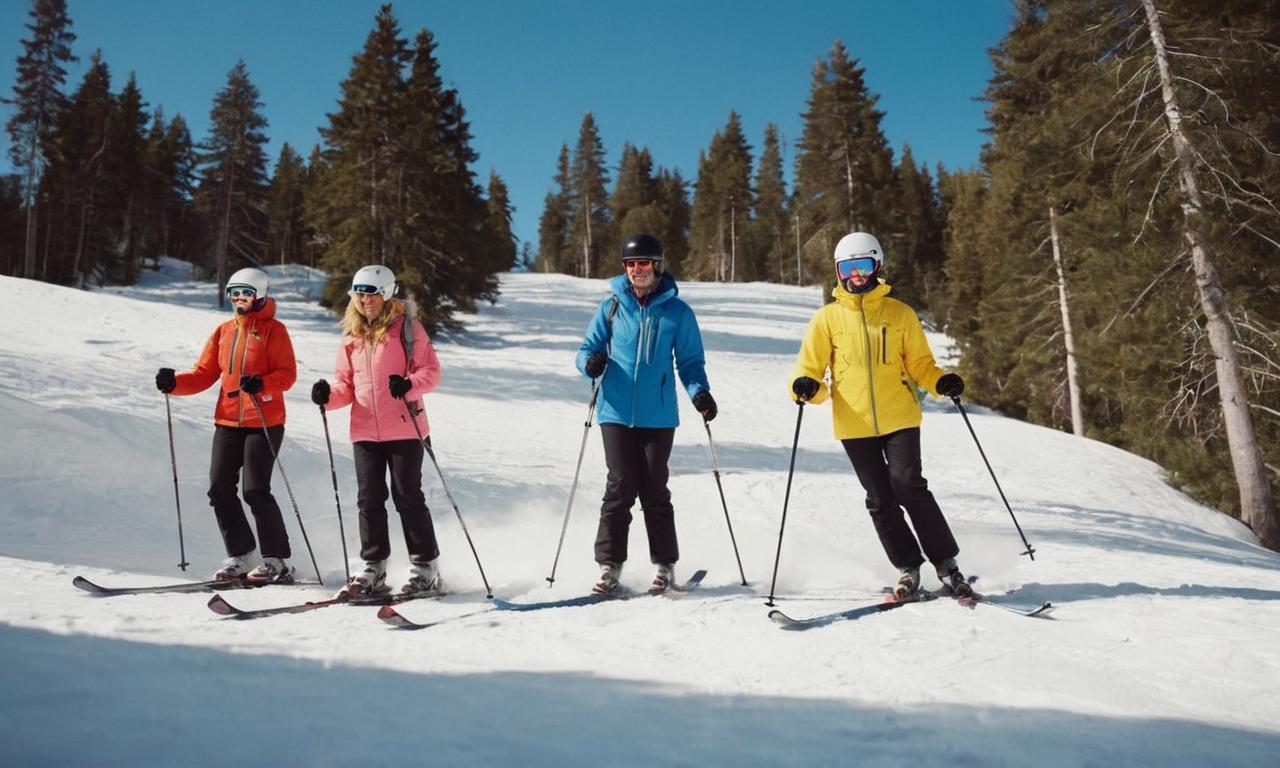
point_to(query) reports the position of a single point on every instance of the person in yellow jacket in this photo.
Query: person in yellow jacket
(876, 351)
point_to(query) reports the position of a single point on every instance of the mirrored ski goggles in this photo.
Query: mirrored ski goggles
(241, 293)
(365, 290)
(633, 263)
(862, 265)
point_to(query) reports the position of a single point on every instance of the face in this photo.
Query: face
(642, 274)
(857, 270)
(369, 304)
(241, 299)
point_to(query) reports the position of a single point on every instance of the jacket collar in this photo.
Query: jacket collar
(857, 302)
(665, 290)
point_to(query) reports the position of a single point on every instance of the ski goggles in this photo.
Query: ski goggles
(861, 265)
(639, 263)
(365, 290)
(241, 293)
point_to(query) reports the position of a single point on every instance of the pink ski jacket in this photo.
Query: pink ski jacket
(361, 375)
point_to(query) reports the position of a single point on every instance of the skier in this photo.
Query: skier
(630, 346)
(251, 357)
(877, 354)
(384, 383)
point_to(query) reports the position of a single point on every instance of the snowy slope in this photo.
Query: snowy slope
(1162, 651)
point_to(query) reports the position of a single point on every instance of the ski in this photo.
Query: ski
(219, 605)
(572, 602)
(1040, 611)
(97, 590)
(389, 615)
(885, 604)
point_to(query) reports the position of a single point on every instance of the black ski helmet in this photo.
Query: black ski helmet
(643, 246)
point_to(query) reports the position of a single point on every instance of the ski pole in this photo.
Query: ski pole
(715, 464)
(276, 458)
(785, 499)
(1030, 551)
(582, 449)
(177, 500)
(426, 444)
(334, 474)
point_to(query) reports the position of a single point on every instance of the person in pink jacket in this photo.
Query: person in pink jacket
(384, 390)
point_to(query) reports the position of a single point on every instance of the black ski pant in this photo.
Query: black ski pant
(242, 453)
(404, 459)
(889, 469)
(637, 461)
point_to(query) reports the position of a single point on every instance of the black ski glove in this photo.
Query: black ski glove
(950, 385)
(166, 381)
(320, 392)
(399, 385)
(251, 385)
(805, 388)
(596, 363)
(706, 404)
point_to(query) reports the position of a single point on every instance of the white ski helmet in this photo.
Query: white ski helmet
(374, 278)
(856, 244)
(254, 279)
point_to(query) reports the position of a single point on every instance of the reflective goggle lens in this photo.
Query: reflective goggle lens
(236, 293)
(367, 290)
(639, 262)
(862, 265)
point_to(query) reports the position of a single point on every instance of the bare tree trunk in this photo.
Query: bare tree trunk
(29, 254)
(1073, 376)
(733, 241)
(224, 239)
(1257, 505)
(586, 244)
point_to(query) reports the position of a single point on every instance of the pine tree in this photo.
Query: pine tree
(498, 222)
(555, 222)
(234, 177)
(722, 203)
(915, 269)
(38, 101)
(589, 202)
(844, 167)
(771, 214)
(129, 176)
(286, 228)
(675, 213)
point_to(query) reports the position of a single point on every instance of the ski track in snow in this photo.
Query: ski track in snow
(1161, 651)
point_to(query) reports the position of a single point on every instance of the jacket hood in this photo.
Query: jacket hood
(266, 312)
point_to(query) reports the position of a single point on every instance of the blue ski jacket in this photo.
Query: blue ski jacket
(647, 343)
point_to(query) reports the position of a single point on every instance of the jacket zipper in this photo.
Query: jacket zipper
(640, 347)
(231, 364)
(373, 390)
(870, 357)
(884, 345)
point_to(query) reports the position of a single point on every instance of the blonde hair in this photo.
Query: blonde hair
(372, 331)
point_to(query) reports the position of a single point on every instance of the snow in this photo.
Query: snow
(1162, 650)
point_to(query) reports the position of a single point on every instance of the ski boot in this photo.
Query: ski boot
(953, 580)
(608, 582)
(665, 579)
(908, 586)
(272, 570)
(424, 577)
(236, 567)
(370, 581)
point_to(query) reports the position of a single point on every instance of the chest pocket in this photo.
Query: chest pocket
(846, 351)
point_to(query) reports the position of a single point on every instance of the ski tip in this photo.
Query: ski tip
(81, 582)
(220, 606)
(780, 617)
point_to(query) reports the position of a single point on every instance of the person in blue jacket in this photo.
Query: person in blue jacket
(640, 336)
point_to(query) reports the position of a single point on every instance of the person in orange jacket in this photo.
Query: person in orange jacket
(251, 358)
(876, 351)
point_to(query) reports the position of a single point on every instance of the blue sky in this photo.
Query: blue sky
(660, 73)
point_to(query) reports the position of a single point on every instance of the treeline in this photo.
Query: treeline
(1112, 267)
(106, 186)
(737, 221)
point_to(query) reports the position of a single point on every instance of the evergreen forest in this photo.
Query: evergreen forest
(1107, 268)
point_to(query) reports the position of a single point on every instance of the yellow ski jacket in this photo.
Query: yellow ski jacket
(876, 351)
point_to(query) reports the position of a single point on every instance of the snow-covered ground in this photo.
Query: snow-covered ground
(1162, 652)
